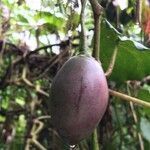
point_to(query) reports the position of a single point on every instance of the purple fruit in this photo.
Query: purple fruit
(79, 97)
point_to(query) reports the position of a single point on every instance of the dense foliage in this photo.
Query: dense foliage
(37, 37)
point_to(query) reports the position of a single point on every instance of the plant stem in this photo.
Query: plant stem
(112, 62)
(118, 17)
(97, 11)
(129, 98)
(83, 31)
(96, 48)
(95, 144)
(138, 11)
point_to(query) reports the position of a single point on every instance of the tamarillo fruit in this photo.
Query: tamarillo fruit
(79, 97)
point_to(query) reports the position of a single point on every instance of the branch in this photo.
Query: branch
(61, 44)
(97, 8)
(30, 84)
(83, 32)
(13, 46)
(97, 11)
(41, 48)
(36, 129)
(41, 147)
(51, 63)
(129, 98)
(4, 112)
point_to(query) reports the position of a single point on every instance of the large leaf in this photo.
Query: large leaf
(133, 58)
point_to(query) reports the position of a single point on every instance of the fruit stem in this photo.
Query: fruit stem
(97, 12)
(95, 143)
(83, 45)
(128, 98)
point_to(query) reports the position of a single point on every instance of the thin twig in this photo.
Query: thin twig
(43, 117)
(129, 98)
(36, 129)
(51, 63)
(112, 63)
(2, 51)
(61, 44)
(16, 112)
(135, 119)
(30, 84)
(41, 147)
(14, 46)
(41, 48)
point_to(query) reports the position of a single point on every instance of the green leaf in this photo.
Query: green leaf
(53, 21)
(133, 58)
(145, 128)
(144, 94)
(2, 119)
(20, 101)
(21, 18)
(73, 21)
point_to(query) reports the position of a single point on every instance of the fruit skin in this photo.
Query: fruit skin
(79, 97)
